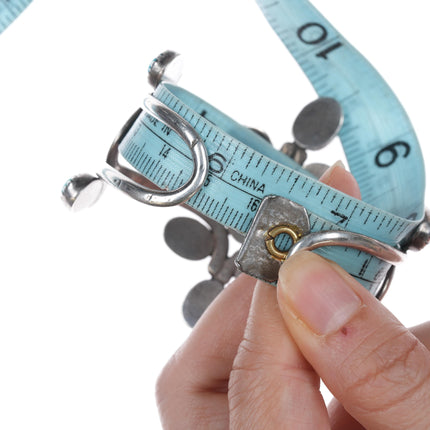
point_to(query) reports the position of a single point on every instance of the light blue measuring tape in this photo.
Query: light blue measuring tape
(380, 144)
(239, 168)
(9, 10)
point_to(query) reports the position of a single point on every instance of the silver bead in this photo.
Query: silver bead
(167, 67)
(421, 236)
(82, 191)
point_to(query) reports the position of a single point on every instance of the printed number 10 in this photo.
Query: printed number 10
(313, 33)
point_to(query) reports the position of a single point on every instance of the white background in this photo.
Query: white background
(90, 303)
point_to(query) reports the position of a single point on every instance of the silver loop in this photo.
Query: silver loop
(383, 288)
(350, 240)
(131, 182)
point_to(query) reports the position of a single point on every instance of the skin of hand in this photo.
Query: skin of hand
(255, 358)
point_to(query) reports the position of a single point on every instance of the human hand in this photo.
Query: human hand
(255, 358)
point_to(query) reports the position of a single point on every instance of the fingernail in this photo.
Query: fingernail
(316, 293)
(326, 175)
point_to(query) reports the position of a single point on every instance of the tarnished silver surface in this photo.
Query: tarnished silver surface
(167, 67)
(421, 236)
(294, 152)
(220, 248)
(119, 176)
(318, 123)
(261, 133)
(189, 238)
(254, 258)
(317, 169)
(228, 270)
(315, 127)
(239, 237)
(82, 191)
(199, 298)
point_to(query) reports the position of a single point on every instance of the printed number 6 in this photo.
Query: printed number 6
(392, 154)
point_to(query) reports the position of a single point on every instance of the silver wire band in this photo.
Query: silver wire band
(131, 182)
(350, 240)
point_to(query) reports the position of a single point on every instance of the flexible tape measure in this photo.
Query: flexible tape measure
(379, 142)
(9, 10)
(377, 136)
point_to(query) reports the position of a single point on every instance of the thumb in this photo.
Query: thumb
(371, 363)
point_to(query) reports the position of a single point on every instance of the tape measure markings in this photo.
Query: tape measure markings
(10, 10)
(232, 216)
(376, 133)
(297, 19)
(260, 173)
(226, 211)
(378, 139)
